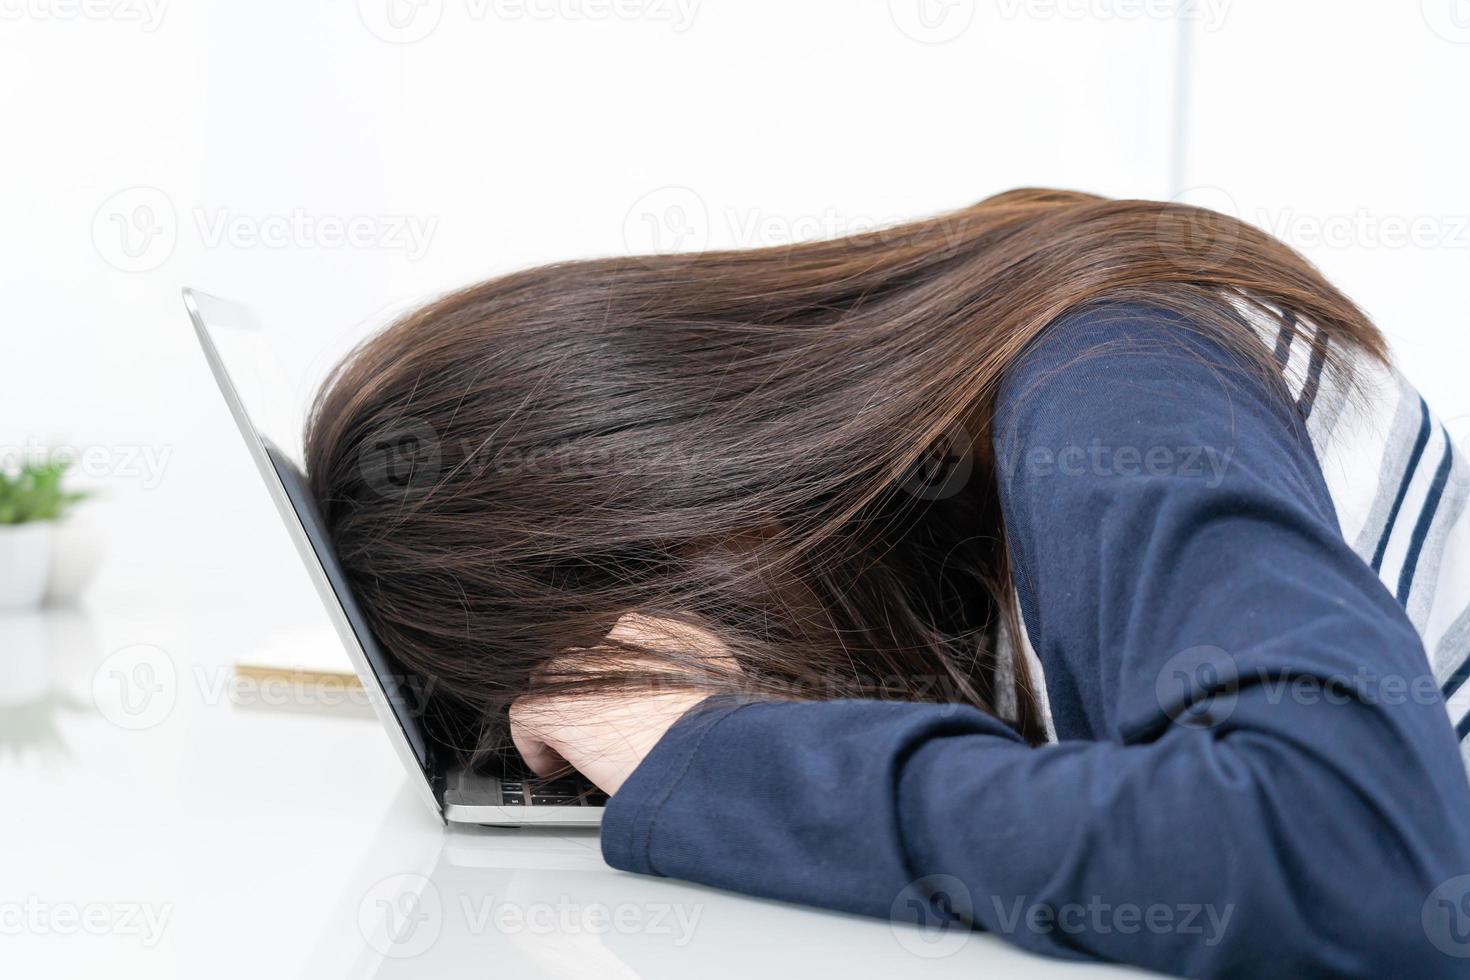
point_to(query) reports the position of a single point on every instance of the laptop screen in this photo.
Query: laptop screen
(401, 697)
(222, 324)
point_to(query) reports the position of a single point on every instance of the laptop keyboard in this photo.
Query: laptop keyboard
(550, 792)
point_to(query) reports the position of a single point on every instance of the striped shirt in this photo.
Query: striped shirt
(1399, 483)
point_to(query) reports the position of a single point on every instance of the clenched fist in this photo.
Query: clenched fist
(604, 736)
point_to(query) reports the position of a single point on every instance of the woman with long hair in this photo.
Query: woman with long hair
(1024, 565)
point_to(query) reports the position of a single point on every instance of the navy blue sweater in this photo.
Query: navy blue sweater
(1251, 779)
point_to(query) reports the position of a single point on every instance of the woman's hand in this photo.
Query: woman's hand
(605, 736)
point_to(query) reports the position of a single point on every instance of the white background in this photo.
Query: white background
(151, 144)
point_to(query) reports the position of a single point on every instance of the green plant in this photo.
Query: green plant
(34, 492)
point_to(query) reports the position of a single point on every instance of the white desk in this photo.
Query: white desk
(223, 840)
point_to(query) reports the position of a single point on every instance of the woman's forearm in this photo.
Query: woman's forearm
(1257, 774)
(1206, 853)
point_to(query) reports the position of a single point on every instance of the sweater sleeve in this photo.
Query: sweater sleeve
(1260, 778)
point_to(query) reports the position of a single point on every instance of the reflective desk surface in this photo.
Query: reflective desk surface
(160, 822)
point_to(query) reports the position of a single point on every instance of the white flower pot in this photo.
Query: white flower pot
(24, 671)
(25, 563)
(76, 549)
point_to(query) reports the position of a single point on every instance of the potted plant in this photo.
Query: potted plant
(31, 501)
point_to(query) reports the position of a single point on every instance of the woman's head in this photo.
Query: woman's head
(786, 447)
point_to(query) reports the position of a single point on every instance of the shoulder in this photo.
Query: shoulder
(1116, 361)
(1141, 399)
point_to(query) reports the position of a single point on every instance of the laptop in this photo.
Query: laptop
(455, 793)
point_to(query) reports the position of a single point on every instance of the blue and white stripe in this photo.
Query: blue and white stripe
(1400, 485)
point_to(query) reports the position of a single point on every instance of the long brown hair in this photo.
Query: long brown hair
(786, 447)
